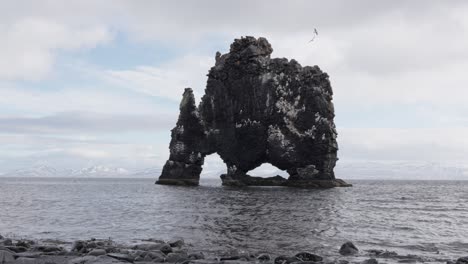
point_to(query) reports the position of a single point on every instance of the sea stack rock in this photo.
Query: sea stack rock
(257, 110)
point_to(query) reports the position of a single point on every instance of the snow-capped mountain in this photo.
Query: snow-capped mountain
(147, 173)
(99, 171)
(400, 170)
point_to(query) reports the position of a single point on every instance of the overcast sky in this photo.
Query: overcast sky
(87, 83)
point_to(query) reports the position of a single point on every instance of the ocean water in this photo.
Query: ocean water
(426, 218)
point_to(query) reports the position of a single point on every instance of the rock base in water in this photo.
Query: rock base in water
(248, 180)
(182, 182)
(319, 184)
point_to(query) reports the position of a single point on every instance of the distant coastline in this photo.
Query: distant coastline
(349, 170)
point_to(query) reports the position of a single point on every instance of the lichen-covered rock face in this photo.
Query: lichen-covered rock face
(257, 110)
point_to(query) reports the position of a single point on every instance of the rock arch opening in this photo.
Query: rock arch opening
(213, 167)
(267, 170)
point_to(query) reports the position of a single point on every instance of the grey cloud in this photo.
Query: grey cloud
(272, 16)
(378, 36)
(159, 18)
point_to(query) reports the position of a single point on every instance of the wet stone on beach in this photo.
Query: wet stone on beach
(106, 251)
(462, 260)
(348, 248)
(6, 256)
(304, 256)
(370, 261)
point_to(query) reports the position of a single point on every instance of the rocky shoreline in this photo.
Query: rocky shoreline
(107, 251)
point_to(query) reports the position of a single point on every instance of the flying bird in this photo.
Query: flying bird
(315, 35)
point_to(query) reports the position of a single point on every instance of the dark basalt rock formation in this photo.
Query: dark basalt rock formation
(257, 110)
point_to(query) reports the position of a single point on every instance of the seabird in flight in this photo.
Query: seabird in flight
(315, 35)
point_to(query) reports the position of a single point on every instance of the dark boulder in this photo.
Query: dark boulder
(83, 260)
(176, 242)
(348, 248)
(24, 243)
(79, 246)
(16, 249)
(164, 248)
(47, 248)
(8, 242)
(305, 256)
(121, 256)
(176, 257)
(370, 261)
(264, 257)
(6, 256)
(156, 256)
(285, 260)
(149, 246)
(463, 260)
(97, 252)
(196, 255)
(28, 254)
(257, 110)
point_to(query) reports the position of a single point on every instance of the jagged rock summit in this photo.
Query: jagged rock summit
(256, 110)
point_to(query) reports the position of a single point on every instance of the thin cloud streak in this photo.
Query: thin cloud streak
(78, 122)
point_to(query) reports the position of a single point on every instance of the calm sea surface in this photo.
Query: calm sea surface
(428, 218)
